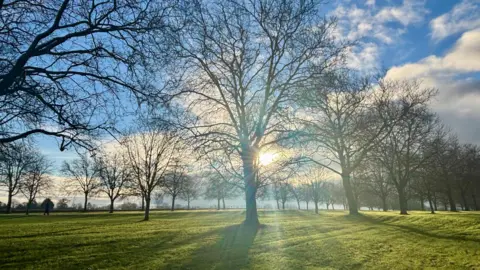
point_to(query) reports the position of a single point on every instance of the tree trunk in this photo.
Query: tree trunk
(430, 203)
(223, 201)
(316, 207)
(307, 205)
(384, 204)
(465, 202)
(143, 202)
(422, 206)
(9, 203)
(327, 205)
(218, 203)
(112, 201)
(298, 204)
(283, 205)
(402, 198)
(251, 217)
(28, 207)
(173, 203)
(352, 203)
(85, 202)
(333, 206)
(453, 206)
(278, 204)
(147, 209)
(435, 201)
(188, 203)
(474, 198)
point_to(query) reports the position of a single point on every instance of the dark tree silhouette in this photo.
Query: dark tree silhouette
(63, 63)
(37, 181)
(16, 161)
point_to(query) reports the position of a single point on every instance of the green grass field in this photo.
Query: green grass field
(215, 240)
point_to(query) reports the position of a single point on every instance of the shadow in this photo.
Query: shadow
(411, 229)
(231, 251)
(52, 233)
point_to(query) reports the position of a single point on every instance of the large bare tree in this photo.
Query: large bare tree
(64, 63)
(150, 151)
(243, 61)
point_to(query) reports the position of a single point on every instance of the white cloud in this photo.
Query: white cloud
(370, 26)
(364, 58)
(463, 58)
(463, 16)
(412, 11)
(455, 75)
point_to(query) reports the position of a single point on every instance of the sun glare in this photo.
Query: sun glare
(266, 158)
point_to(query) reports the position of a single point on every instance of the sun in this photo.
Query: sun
(266, 158)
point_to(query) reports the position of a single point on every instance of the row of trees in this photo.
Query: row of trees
(236, 78)
(23, 170)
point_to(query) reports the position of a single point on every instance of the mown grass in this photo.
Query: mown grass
(215, 240)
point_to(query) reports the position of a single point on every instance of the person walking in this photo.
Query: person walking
(47, 206)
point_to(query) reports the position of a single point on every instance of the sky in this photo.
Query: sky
(436, 41)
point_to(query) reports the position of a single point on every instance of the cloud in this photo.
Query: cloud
(370, 3)
(364, 57)
(410, 12)
(372, 28)
(463, 58)
(456, 76)
(463, 16)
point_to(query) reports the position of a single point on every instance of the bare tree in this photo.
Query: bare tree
(82, 177)
(15, 164)
(344, 117)
(191, 190)
(445, 151)
(468, 172)
(175, 179)
(402, 153)
(244, 59)
(64, 63)
(375, 180)
(37, 181)
(114, 175)
(315, 180)
(150, 151)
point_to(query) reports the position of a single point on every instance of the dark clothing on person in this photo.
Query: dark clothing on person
(47, 205)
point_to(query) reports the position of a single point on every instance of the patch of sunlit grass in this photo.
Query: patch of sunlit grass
(217, 240)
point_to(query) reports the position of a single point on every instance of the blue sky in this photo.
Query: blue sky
(433, 40)
(437, 41)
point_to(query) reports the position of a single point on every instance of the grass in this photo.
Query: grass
(215, 240)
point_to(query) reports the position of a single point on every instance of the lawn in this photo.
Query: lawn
(215, 240)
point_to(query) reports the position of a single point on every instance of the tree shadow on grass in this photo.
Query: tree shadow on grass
(231, 251)
(412, 229)
(42, 234)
